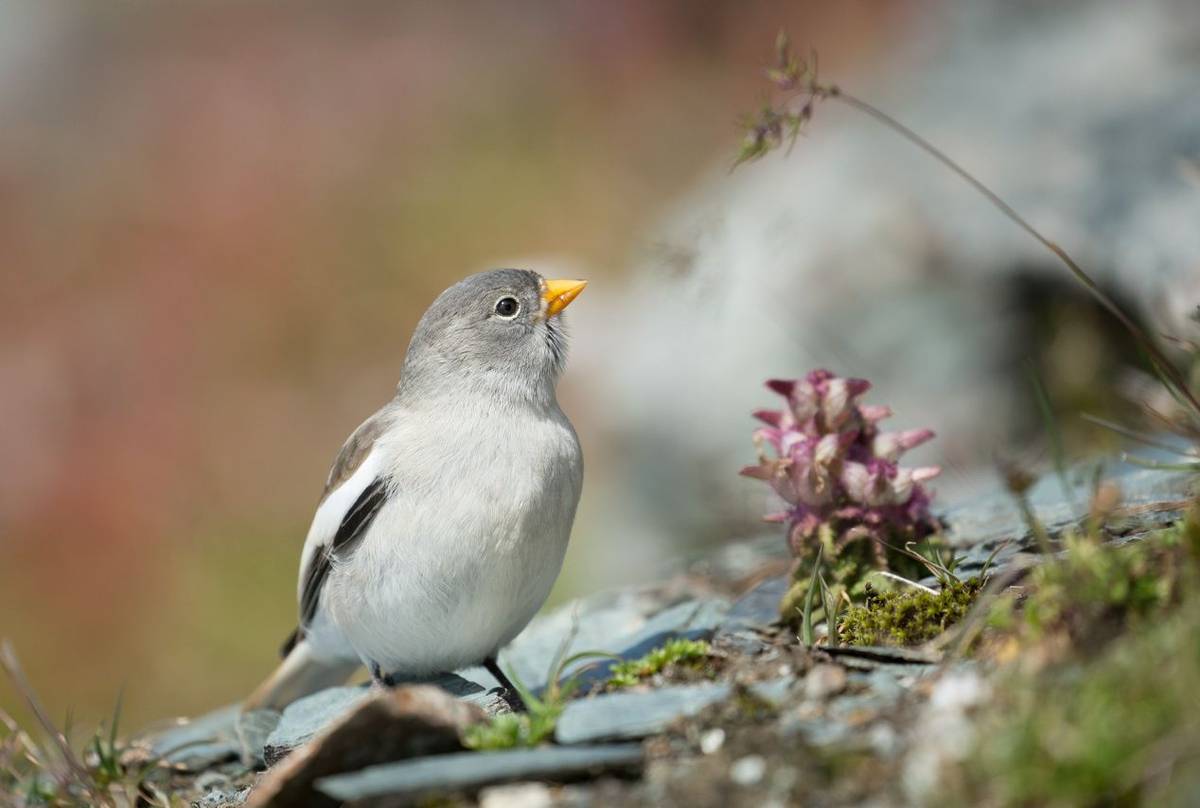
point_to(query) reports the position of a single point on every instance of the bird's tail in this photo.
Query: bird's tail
(300, 674)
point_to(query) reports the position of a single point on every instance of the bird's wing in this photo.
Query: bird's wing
(355, 490)
(356, 448)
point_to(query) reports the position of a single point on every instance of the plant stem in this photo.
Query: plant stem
(1167, 371)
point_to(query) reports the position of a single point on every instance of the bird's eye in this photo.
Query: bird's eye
(508, 307)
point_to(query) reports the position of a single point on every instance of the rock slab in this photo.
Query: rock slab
(470, 770)
(407, 722)
(636, 715)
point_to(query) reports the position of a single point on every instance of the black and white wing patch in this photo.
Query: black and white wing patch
(350, 531)
(354, 492)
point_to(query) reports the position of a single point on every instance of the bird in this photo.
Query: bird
(446, 515)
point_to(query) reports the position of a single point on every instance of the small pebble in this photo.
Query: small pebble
(517, 795)
(748, 771)
(211, 781)
(222, 799)
(712, 740)
(824, 681)
(883, 739)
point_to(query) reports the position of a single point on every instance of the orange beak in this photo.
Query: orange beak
(559, 294)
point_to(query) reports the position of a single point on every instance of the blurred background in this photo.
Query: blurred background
(220, 221)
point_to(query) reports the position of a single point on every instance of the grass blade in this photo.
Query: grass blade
(12, 667)
(1050, 423)
(806, 625)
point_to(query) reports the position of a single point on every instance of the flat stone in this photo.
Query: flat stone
(470, 770)
(304, 718)
(590, 624)
(692, 620)
(253, 729)
(739, 558)
(756, 609)
(192, 745)
(642, 626)
(994, 517)
(633, 715)
(385, 726)
(625, 716)
(745, 642)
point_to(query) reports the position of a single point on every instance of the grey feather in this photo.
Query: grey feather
(356, 448)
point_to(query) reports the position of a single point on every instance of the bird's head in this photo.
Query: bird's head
(501, 330)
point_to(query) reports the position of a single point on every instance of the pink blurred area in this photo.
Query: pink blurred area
(219, 223)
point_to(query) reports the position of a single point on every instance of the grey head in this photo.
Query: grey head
(498, 333)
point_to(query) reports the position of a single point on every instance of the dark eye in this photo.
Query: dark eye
(507, 307)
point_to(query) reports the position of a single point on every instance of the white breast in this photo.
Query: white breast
(468, 545)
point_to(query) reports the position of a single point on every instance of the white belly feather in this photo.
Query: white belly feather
(454, 565)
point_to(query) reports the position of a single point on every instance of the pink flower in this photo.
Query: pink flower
(824, 455)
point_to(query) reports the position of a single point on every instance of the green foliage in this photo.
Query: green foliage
(909, 616)
(1102, 708)
(52, 773)
(536, 724)
(1122, 730)
(844, 579)
(1095, 590)
(806, 616)
(512, 730)
(673, 652)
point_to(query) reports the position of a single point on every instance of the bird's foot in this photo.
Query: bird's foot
(511, 698)
(382, 680)
(507, 690)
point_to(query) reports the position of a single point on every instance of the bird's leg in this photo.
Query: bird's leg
(380, 678)
(508, 690)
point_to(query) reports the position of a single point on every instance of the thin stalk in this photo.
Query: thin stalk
(1171, 375)
(1050, 423)
(1034, 524)
(906, 581)
(806, 625)
(1133, 434)
(8, 660)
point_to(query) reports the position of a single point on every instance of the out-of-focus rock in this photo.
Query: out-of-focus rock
(859, 253)
(517, 795)
(192, 745)
(468, 770)
(413, 721)
(306, 717)
(636, 715)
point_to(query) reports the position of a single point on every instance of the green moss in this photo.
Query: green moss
(909, 616)
(1096, 590)
(1120, 729)
(849, 569)
(1100, 707)
(536, 724)
(673, 652)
